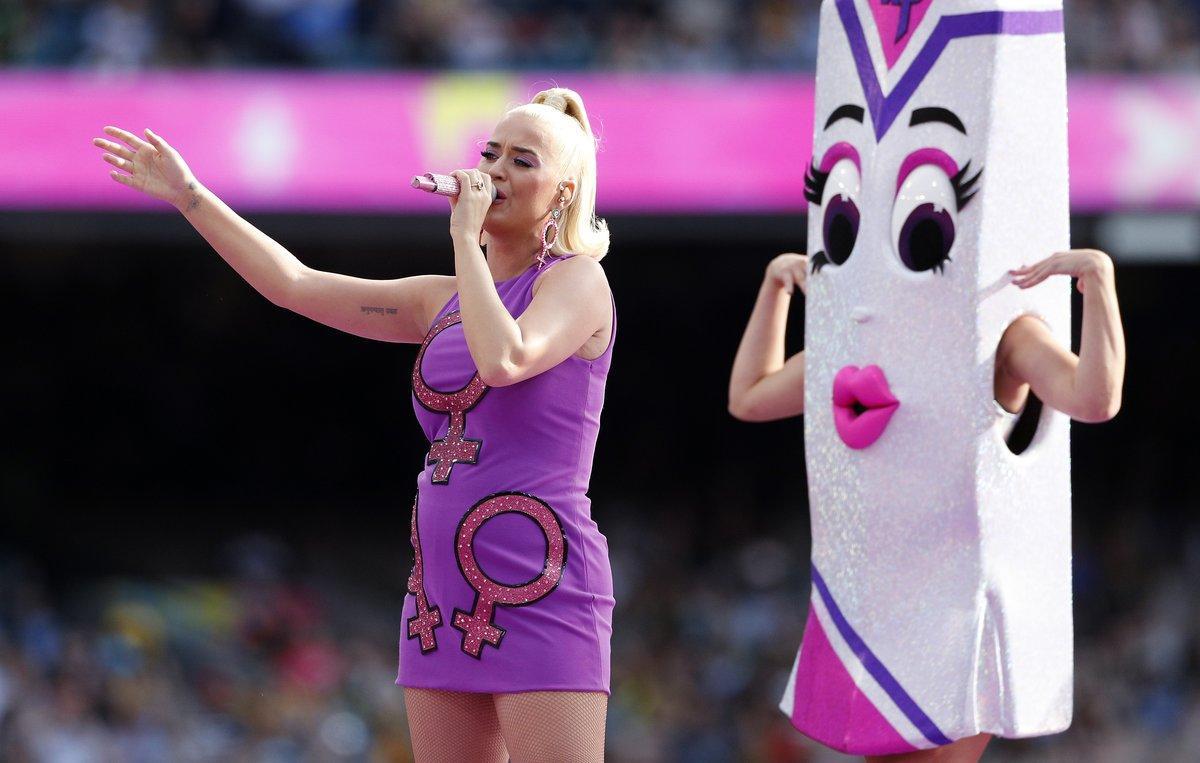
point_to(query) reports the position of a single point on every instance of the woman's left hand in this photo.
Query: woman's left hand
(1083, 264)
(468, 209)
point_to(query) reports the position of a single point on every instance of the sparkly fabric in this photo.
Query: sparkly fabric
(477, 625)
(422, 624)
(453, 448)
(943, 558)
(494, 534)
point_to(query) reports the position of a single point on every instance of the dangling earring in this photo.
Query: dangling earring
(549, 236)
(550, 231)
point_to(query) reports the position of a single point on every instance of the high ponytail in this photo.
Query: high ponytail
(580, 231)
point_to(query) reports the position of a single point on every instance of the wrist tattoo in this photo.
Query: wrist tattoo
(194, 203)
(379, 310)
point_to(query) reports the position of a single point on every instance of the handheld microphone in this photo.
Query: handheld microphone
(443, 185)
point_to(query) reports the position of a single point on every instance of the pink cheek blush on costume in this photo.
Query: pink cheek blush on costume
(863, 405)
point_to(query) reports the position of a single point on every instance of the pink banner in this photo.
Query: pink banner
(351, 141)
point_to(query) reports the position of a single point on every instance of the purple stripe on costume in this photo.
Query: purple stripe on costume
(862, 61)
(829, 707)
(877, 669)
(885, 109)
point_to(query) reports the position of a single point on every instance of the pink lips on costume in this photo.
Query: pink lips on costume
(862, 405)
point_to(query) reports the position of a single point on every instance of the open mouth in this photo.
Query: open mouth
(499, 196)
(863, 405)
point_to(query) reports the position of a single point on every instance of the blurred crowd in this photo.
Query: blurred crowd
(249, 665)
(558, 35)
(281, 659)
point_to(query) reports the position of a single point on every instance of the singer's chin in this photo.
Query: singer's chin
(497, 221)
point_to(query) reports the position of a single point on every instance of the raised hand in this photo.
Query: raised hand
(789, 272)
(151, 166)
(468, 209)
(1083, 264)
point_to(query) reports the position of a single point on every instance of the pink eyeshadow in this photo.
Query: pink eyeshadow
(836, 153)
(934, 156)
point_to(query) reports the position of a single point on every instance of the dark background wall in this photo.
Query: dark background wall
(152, 393)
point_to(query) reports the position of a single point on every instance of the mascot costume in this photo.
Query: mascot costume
(941, 581)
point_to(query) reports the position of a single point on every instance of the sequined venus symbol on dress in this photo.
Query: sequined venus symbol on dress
(477, 626)
(454, 448)
(422, 624)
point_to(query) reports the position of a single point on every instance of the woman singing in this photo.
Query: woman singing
(504, 649)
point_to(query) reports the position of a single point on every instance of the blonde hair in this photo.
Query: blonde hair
(580, 231)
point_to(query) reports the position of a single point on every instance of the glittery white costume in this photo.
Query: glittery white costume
(941, 601)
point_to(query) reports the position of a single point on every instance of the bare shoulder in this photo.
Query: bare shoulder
(1029, 347)
(1025, 331)
(435, 293)
(441, 285)
(579, 275)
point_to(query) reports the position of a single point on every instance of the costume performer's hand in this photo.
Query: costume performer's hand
(154, 167)
(468, 209)
(789, 272)
(1083, 264)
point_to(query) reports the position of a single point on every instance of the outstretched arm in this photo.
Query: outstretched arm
(394, 310)
(762, 386)
(1086, 387)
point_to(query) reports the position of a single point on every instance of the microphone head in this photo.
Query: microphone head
(423, 183)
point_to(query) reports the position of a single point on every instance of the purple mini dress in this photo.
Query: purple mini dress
(511, 588)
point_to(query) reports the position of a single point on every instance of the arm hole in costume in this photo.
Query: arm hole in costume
(1022, 434)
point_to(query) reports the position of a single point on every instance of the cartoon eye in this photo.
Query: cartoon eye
(838, 191)
(923, 219)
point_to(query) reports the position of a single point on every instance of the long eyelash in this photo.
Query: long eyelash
(819, 260)
(814, 184)
(965, 190)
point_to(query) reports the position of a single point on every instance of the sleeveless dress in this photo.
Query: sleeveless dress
(511, 588)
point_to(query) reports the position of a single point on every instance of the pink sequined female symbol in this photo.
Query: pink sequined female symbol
(453, 448)
(422, 624)
(477, 626)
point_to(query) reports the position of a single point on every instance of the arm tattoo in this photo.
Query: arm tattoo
(380, 310)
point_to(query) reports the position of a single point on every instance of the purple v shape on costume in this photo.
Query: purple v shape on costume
(885, 108)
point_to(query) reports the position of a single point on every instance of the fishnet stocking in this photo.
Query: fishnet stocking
(559, 726)
(453, 727)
